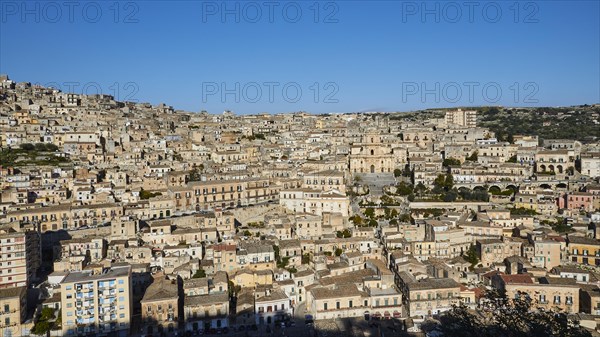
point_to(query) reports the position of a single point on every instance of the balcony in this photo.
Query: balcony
(8, 312)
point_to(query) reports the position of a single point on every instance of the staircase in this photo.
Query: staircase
(376, 181)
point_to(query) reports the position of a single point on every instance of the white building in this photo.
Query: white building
(274, 306)
(315, 202)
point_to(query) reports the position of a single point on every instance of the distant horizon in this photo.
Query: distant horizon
(319, 113)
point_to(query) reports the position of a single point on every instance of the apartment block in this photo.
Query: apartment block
(19, 257)
(13, 310)
(97, 302)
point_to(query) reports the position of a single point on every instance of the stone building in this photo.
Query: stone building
(160, 306)
(371, 155)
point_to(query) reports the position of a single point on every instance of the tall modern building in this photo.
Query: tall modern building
(466, 118)
(97, 302)
(13, 310)
(19, 257)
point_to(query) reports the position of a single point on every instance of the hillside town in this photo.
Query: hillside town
(134, 219)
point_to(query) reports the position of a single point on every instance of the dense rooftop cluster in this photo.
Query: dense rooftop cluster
(137, 219)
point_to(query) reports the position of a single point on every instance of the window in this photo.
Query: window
(324, 306)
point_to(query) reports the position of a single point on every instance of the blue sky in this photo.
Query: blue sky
(318, 57)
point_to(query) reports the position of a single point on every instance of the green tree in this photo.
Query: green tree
(522, 211)
(386, 213)
(40, 147)
(397, 172)
(306, 258)
(407, 172)
(451, 162)
(404, 189)
(357, 220)
(448, 181)
(344, 234)
(443, 183)
(147, 194)
(200, 273)
(45, 322)
(42, 327)
(515, 317)
(338, 251)
(440, 182)
(450, 196)
(276, 251)
(283, 262)
(27, 147)
(47, 314)
(370, 212)
(51, 147)
(471, 256)
(495, 190)
(473, 157)
(420, 188)
(404, 217)
(194, 175)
